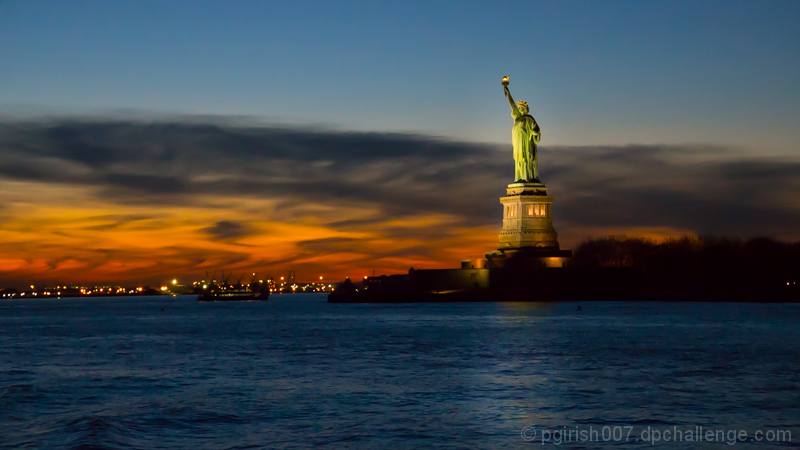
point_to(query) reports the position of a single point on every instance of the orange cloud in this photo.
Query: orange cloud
(80, 204)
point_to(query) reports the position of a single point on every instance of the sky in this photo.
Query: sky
(141, 141)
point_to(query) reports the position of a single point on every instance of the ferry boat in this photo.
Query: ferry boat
(233, 293)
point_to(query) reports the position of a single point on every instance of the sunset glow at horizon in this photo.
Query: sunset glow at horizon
(147, 141)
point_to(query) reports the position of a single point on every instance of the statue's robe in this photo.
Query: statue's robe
(525, 137)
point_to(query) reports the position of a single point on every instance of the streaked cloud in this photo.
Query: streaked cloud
(226, 229)
(138, 200)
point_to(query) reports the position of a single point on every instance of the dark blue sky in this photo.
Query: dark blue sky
(611, 72)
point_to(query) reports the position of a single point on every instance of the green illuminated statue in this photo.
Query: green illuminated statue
(525, 136)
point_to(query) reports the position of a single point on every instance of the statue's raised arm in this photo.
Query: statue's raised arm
(514, 110)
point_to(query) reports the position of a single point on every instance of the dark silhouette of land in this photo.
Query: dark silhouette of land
(707, 258)
(685, 269)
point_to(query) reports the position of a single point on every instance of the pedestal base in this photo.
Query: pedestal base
(527, 218)
(528, 258)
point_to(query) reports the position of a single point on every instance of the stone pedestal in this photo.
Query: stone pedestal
(528, 238)
(527, 218)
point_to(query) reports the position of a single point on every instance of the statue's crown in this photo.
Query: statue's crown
(521, 103)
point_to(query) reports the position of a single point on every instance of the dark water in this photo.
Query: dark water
(296, 372)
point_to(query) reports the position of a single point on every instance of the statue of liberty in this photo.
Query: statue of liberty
(525, 137)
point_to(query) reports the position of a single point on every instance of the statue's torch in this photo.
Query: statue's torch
(505, 80)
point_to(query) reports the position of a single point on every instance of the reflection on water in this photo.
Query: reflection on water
(296, 372)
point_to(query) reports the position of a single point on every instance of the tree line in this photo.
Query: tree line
(707, 257)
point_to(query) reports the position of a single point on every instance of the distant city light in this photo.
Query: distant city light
(174, 281)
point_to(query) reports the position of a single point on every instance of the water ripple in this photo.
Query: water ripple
(296, 372)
